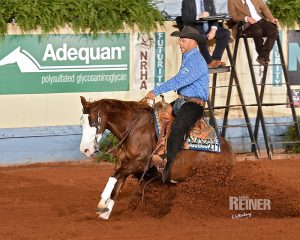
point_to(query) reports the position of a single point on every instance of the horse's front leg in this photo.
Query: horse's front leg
(109, 195)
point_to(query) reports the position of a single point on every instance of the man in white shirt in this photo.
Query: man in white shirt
(259, 22)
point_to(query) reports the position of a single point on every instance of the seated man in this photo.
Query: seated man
(259, 22)
(192, 86)
(191, 11)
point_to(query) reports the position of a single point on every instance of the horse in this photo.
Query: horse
(133, 124)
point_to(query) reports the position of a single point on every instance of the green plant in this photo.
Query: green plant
(287, 11)
(108, 143)
(93, 16)
(292, 137)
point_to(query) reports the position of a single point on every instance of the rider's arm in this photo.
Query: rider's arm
(193, 67)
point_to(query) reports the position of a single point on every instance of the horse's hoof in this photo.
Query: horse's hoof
(173, 181)
(102, 210)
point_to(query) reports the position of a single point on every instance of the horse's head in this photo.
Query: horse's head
(94, 123)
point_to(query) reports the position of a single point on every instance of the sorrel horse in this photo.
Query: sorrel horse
(133, 124)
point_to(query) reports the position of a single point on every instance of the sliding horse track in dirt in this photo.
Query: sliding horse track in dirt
(58, 201)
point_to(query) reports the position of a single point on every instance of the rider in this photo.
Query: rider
(192, 86)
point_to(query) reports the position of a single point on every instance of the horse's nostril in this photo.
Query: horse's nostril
(86, 150)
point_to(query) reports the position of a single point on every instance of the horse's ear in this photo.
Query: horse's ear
(83, 101)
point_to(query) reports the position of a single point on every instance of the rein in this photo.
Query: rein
(151, 155)
(126, 133)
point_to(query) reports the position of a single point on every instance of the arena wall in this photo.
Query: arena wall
(46, 126)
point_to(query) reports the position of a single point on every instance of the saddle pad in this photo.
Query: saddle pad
(202, 136)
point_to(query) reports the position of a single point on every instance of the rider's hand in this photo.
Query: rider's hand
(203, 15)
(275, 21)
(212, 33)
(150, 95)
(251, 20)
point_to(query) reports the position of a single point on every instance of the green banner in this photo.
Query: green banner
(64, 63)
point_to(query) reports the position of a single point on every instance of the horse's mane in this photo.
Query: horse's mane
(114, 105)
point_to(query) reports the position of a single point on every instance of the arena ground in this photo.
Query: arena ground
(58, 201)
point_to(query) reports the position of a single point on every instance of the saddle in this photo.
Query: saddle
(201, 137)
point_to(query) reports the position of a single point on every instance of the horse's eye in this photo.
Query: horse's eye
(92, 123)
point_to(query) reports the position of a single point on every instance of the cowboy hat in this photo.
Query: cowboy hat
(192, 33)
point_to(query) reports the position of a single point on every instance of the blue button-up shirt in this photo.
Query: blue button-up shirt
(192, 80)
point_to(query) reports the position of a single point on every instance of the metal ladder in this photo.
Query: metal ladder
(259, 95)
(233, 82)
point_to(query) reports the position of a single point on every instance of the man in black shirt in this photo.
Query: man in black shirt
(191, 11)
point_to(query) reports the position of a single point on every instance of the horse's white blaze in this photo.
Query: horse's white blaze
(87, 144)
(98, 137)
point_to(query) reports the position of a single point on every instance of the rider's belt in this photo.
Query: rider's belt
(198, 101)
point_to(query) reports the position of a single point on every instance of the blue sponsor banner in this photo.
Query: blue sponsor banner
(277, 68)
(160, 56)
(294, 57)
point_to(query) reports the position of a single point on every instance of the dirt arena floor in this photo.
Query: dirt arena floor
(58, 201)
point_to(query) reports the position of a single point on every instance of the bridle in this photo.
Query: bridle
(97, 125)
(133, 122)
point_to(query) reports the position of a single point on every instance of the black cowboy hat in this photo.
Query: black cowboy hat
(192, 33)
